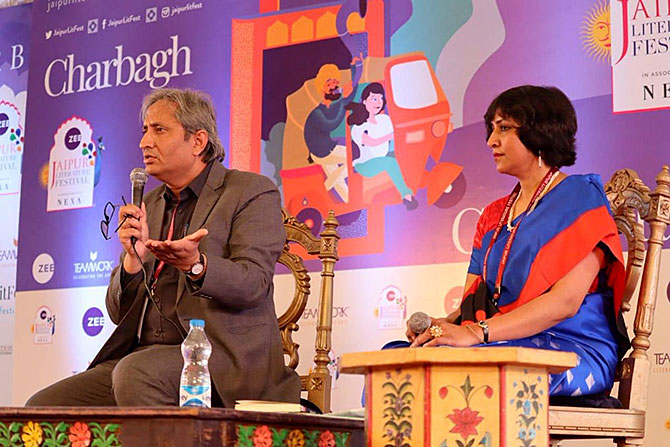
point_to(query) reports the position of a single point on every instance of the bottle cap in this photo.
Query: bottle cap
(197, 323)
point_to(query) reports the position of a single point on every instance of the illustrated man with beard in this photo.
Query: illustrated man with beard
(325, 118)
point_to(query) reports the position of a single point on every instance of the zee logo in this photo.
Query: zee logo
(4, 123)
(93, 321)
(72, 138)
(43, 268)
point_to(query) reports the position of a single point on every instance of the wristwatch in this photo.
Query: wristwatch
(485, 328)
(198, 268)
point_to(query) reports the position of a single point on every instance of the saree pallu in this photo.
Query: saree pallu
(566, 225)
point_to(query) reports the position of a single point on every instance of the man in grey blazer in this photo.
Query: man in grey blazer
(207, 241)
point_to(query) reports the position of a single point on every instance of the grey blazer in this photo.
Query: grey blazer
(242, 213)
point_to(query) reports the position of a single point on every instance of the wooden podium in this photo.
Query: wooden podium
(172, 427)
(457, 397)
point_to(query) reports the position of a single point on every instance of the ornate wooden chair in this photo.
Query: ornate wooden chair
(318, 382)
(633, 205)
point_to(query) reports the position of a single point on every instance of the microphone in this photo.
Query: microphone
(138, 178)
(418, 322)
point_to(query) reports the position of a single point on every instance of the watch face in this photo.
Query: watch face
(197, 268)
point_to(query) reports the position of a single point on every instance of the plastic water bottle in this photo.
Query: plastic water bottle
(195, 388)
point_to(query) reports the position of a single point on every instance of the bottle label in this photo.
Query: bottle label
(195, 396)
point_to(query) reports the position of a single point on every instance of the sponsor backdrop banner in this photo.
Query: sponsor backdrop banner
(14, 38)
(640, 52)
(436, 68)
(92, 65)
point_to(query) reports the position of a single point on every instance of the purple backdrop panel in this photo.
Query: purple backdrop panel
(14, 48)
(90, 66)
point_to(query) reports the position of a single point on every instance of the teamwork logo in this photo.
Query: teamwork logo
(8, 254)
(340, 315)
(11, 148)
(391, 308)
(93, 268)
(44, 326)
(72, 166)
(93, 321)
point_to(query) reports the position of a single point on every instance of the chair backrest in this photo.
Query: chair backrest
(318, 382)
(633, 206)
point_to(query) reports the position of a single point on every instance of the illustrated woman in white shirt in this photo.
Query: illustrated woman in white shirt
(372, 132)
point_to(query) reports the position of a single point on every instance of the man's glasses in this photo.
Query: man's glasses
(108, 212)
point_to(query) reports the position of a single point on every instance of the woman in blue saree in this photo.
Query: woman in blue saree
(548, 255)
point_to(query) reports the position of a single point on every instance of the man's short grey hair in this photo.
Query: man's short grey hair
(194, 111)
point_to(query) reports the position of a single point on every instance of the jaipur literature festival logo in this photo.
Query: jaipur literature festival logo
(11, 148)
(391, 308)
(72, 166)
(44, 326)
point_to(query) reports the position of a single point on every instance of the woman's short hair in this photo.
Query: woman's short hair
(546, 119)
(194, 111)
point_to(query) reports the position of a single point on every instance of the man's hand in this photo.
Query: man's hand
(182, 253)
(133, 223)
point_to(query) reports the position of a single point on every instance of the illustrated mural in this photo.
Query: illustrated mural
(415, 169)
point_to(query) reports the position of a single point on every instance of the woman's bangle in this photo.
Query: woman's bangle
(474, 332)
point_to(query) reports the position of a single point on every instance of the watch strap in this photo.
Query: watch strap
(485, 329)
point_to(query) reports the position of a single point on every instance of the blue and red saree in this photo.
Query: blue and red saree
(566, 225)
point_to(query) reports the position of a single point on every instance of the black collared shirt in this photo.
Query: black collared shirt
(155, 329)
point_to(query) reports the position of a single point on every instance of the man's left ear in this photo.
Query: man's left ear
(200, 139)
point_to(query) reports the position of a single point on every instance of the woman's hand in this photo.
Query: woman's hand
(410, 334)
(452, 335)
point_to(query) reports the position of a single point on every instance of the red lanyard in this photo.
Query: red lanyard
(501, 222)
(161, 264)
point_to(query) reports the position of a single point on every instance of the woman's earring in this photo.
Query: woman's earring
(539, 160)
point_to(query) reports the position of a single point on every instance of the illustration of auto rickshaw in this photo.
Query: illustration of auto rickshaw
(421, 116)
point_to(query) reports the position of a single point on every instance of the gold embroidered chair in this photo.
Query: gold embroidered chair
(633, 206)
(318, 382)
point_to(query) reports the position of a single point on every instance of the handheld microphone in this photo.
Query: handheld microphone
(418, 322)
(138, 178)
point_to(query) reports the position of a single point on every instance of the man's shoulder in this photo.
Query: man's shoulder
(318, 110)
(154, 192)
(249, 181)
